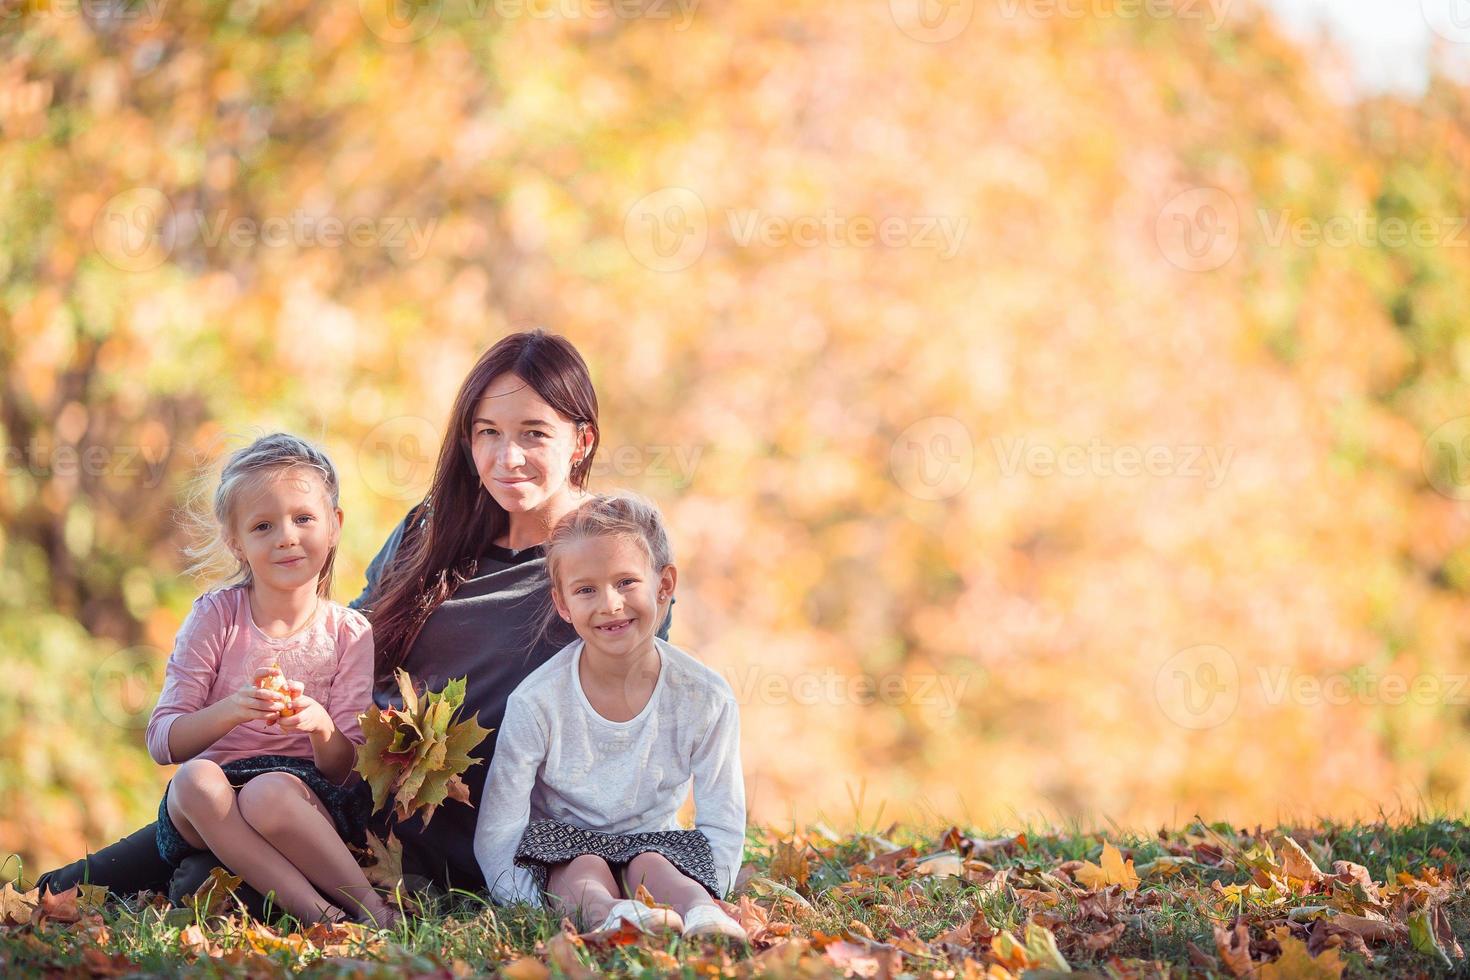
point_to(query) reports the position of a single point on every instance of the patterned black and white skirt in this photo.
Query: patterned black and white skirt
(547, 843)
(350, 805)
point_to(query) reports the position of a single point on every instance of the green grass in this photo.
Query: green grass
(846, 897)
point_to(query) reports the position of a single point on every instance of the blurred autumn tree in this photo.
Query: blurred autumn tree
(222, 216)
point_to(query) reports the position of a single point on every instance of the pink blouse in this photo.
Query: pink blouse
(218, 650)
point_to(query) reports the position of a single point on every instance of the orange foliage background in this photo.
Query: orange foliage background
(850, 438)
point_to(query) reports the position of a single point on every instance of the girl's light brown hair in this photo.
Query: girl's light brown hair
(211, 517)
(623, 514)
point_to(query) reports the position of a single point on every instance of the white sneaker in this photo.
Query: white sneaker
(709, 921)
(640, 917)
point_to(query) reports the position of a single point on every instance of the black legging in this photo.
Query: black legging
(133, 864)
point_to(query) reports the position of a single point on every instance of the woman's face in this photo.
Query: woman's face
(523, 448)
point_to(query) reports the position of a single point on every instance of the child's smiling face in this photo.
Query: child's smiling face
(609, 593)
(285, 527)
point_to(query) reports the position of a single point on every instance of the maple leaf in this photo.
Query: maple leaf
(214, 893)
(193, 940)
(789, 864)
(1295, 963)
(1295, 862)
(1234, 947)
(91, 898)
(416, 755)
(1112, 871)
(387, 867)
(57, 907)
(16, 907)
(378, 732)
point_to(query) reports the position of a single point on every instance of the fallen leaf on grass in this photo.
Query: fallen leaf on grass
(941, 865)
(386, 867)
(1430, 933)
(525, 968)
(1296, 864)
(91, 898)
(214, 894)
(57, 907)
(1296, 963)
(1112, 871)
(1039, 951)
(16, 907)
(99, 963)
(863, 960)
(1234, 947)
(1098, 941)
(193, 940)
(789, 864)
(1370, 929)
(562, 950)
(767, 886)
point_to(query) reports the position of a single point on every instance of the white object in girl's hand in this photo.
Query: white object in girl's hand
(642, 917)
(711, 920)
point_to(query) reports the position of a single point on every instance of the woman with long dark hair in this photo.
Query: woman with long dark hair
(458, 590)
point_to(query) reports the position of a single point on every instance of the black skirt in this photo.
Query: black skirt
(349, 805)
(550, 842)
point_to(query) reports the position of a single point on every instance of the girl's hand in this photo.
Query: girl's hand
(309, 715)
(253, 703)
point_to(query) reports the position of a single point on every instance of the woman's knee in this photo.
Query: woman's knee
(200, 785)
(266, 802)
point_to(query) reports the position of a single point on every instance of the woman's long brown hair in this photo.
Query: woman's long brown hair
(461, 517)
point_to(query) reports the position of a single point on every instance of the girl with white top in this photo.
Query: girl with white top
(599, 744)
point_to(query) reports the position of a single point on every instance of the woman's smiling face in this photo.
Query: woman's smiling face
(523, 448)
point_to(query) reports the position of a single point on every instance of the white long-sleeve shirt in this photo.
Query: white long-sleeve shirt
(556, 758)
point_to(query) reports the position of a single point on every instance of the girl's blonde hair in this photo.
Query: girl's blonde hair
(211, 516)
(622, 514)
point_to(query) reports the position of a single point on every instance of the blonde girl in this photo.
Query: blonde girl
(265, 777)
